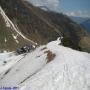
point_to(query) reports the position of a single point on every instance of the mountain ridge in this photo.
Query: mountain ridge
(42, 26)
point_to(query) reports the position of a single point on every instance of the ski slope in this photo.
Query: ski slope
(69, 70)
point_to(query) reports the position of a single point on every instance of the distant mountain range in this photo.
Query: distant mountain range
(86, 25)
(84, 22)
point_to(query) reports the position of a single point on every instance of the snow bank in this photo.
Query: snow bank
(5, 56)
(6, 60)
(22, 67)
(70, 70)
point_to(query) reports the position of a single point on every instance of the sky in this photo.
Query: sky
(70, 7)
(75, 7)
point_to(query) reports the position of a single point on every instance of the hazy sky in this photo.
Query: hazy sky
(69, 7)
(75, 7)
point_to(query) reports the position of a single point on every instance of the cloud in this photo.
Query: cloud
(51, 4)
(54, 5)
(78, 13)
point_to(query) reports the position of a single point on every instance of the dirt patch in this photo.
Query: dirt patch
(50, 56)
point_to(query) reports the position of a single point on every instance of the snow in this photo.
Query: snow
(5, 40)
(15, 38)
(9, 63)
(23, 67)
(8, 58)
(5, 56)
(4, 17)
(70, 69)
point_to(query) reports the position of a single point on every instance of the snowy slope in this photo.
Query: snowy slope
(24, 66)
(70, 70)
(7, 60)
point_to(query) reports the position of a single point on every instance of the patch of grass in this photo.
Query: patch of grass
(50, 56)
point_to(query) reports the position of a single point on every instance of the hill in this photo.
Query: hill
(42, 26)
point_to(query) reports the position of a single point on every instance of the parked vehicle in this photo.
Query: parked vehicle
(25, 49)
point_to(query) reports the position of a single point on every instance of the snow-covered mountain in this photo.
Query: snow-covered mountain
(49, 67)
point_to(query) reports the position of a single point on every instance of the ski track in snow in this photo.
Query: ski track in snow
(10, 24)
